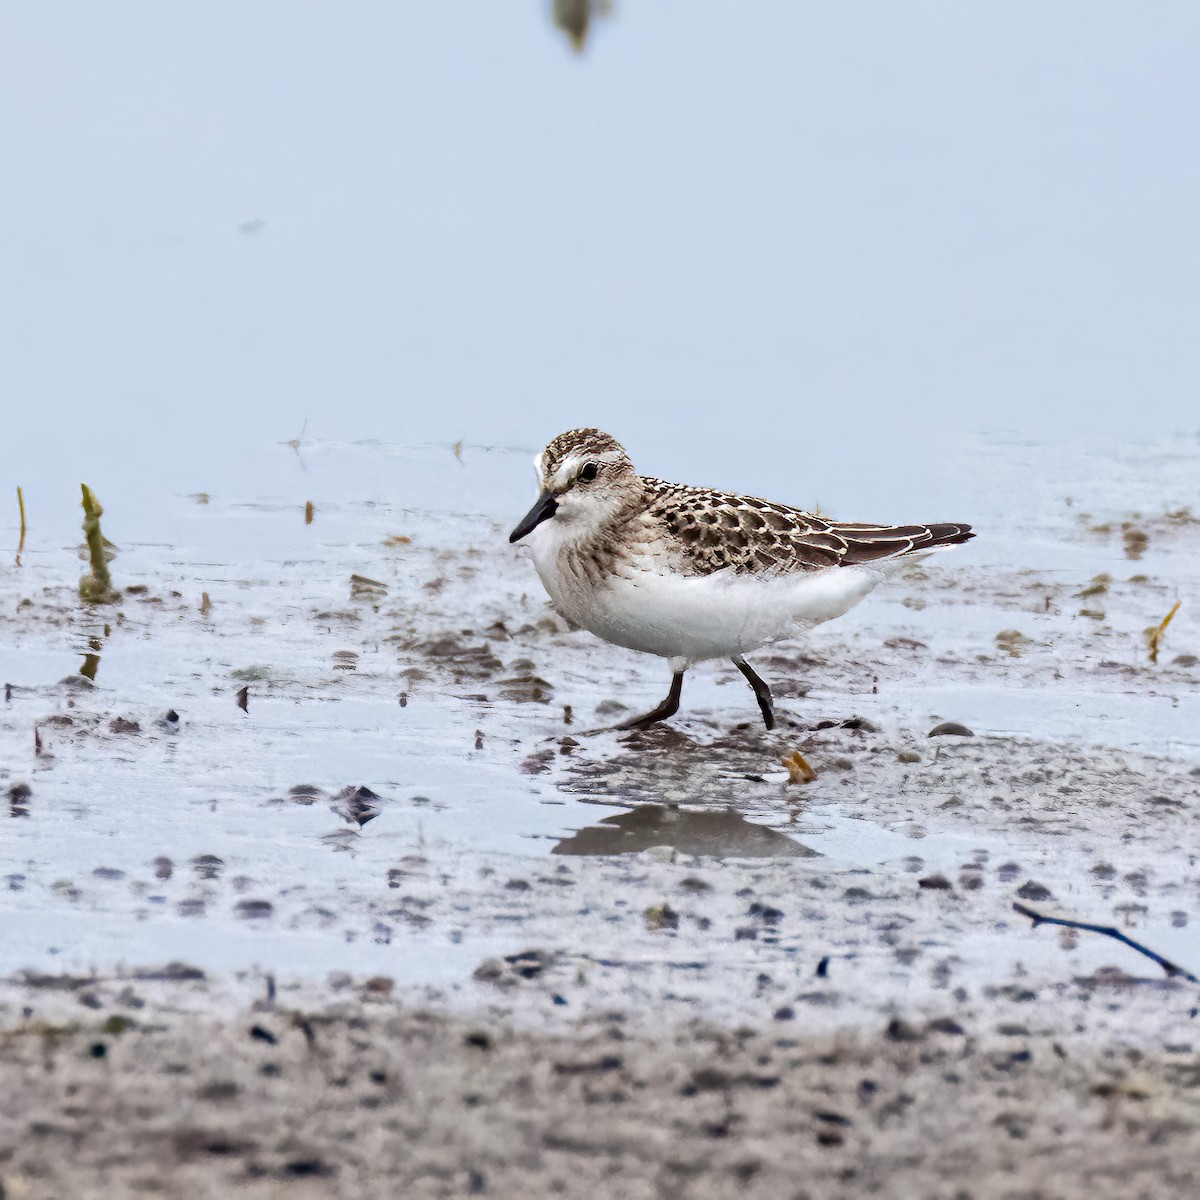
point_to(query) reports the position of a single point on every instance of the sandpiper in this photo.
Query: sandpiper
(690, 574)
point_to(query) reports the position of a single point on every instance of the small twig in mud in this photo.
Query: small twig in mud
(21, 510)
(1172, 969)
(1155, 632)
(96, 586)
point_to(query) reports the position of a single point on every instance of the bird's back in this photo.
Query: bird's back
(709, 531)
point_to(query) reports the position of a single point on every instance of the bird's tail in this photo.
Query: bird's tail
(871, 543)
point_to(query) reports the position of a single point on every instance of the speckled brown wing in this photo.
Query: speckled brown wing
(715, 530)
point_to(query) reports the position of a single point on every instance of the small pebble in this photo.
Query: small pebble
(1030, 890)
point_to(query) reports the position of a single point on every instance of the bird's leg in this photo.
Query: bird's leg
(762, 693)
(668, 708)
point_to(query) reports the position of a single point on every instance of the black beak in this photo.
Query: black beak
(543, 509)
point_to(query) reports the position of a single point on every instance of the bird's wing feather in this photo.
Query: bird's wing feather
(714, 531)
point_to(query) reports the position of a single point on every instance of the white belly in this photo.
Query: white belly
(650, 608)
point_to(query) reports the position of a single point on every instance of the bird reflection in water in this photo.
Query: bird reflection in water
(724, 834)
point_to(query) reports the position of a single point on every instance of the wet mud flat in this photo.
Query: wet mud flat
(427, 921)
(369, 1097)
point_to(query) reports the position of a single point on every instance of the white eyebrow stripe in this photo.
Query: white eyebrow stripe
(576, 460)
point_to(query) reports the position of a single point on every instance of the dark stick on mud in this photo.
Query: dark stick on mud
(1172, 969)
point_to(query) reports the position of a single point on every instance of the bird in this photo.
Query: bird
(690, 573)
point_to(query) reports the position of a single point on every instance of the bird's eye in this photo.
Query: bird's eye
(588, 472)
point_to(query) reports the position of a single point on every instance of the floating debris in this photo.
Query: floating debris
(526, 688)
(173, 972)
(857, 724)
(529, 964)
(305, 793)
(536, 763)
(1135, 540)
(798, 768)
(364, 588)
(357, 804)
(18, 799)
(1155, 632)
(661, 916)
(1097, 587)
(96, 586)
(208, 866)
(1012, 642)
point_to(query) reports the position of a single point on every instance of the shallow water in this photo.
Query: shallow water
(441, 681)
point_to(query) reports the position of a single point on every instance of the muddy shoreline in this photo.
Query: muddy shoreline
(371, 1097)
(435, 936)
